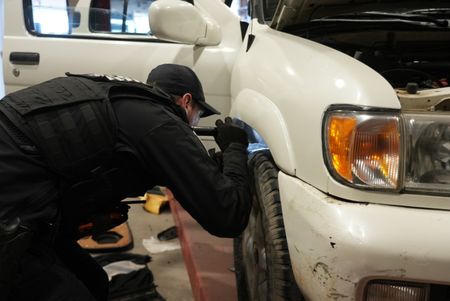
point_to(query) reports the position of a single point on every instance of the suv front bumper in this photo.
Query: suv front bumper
(336, 247)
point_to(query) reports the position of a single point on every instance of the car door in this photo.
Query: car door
(46, 38)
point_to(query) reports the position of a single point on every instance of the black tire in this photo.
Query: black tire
(262, 263)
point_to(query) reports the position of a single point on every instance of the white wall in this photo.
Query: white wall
(2, 85)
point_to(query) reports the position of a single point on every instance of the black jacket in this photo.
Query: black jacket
(155, 146)
(170, 154)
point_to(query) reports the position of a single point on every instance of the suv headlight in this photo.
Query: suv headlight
(427, 161)
(388, 150)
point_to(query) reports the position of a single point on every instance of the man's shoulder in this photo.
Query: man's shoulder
(106, 78)
(145, 113)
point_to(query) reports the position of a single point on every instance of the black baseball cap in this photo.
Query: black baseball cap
(177, 80)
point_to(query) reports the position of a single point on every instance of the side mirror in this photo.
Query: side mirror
(180, 21)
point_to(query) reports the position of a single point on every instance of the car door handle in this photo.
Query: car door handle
(24, 58)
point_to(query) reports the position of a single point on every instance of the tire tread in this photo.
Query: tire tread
(282, 284)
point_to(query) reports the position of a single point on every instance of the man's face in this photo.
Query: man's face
(194, 114)
(193, 110)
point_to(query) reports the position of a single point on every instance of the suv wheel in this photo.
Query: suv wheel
(262, 264)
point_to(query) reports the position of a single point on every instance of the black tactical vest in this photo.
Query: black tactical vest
(69, 121)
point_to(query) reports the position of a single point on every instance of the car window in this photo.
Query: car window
(269, 7)
(49, 16)
(87, 17)
(121, 16)
(241, 8)
(264, 10)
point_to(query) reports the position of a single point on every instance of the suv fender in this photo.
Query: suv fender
(262, 115)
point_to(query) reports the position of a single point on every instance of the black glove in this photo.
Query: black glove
(228, 133)
(217, 157)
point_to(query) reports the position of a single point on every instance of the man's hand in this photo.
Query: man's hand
(228, 133)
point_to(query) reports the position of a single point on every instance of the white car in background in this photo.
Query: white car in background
(348, 108)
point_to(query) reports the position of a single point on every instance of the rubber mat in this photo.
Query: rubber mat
(117, 239)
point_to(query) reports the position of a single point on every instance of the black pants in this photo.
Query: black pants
(64, 272)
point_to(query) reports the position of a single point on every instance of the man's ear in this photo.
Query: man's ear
(182, 101)
(185, 100)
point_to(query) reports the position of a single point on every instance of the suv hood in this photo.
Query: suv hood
(293, 12)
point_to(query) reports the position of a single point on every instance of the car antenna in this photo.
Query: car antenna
(251, 36)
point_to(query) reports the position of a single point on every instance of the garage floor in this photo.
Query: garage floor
(168, 267)
(201, 270)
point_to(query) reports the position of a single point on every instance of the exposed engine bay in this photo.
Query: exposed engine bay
(415, 63)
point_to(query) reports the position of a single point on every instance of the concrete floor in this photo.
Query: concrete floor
(168, 268)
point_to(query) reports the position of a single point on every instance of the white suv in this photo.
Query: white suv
(348, 107)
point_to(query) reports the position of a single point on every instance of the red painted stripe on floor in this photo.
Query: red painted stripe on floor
(207, 259)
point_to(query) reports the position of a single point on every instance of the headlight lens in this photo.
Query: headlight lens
(363, 148)
(391, 151)
(428, 159)
(385, 290)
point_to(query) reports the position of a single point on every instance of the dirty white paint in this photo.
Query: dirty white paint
(335, 246)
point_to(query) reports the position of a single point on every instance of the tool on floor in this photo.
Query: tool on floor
(168, 234)
(119, 238)
(156, 199)
(134, 202)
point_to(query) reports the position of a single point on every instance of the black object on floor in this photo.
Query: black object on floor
(130, 278)
(168, 234)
